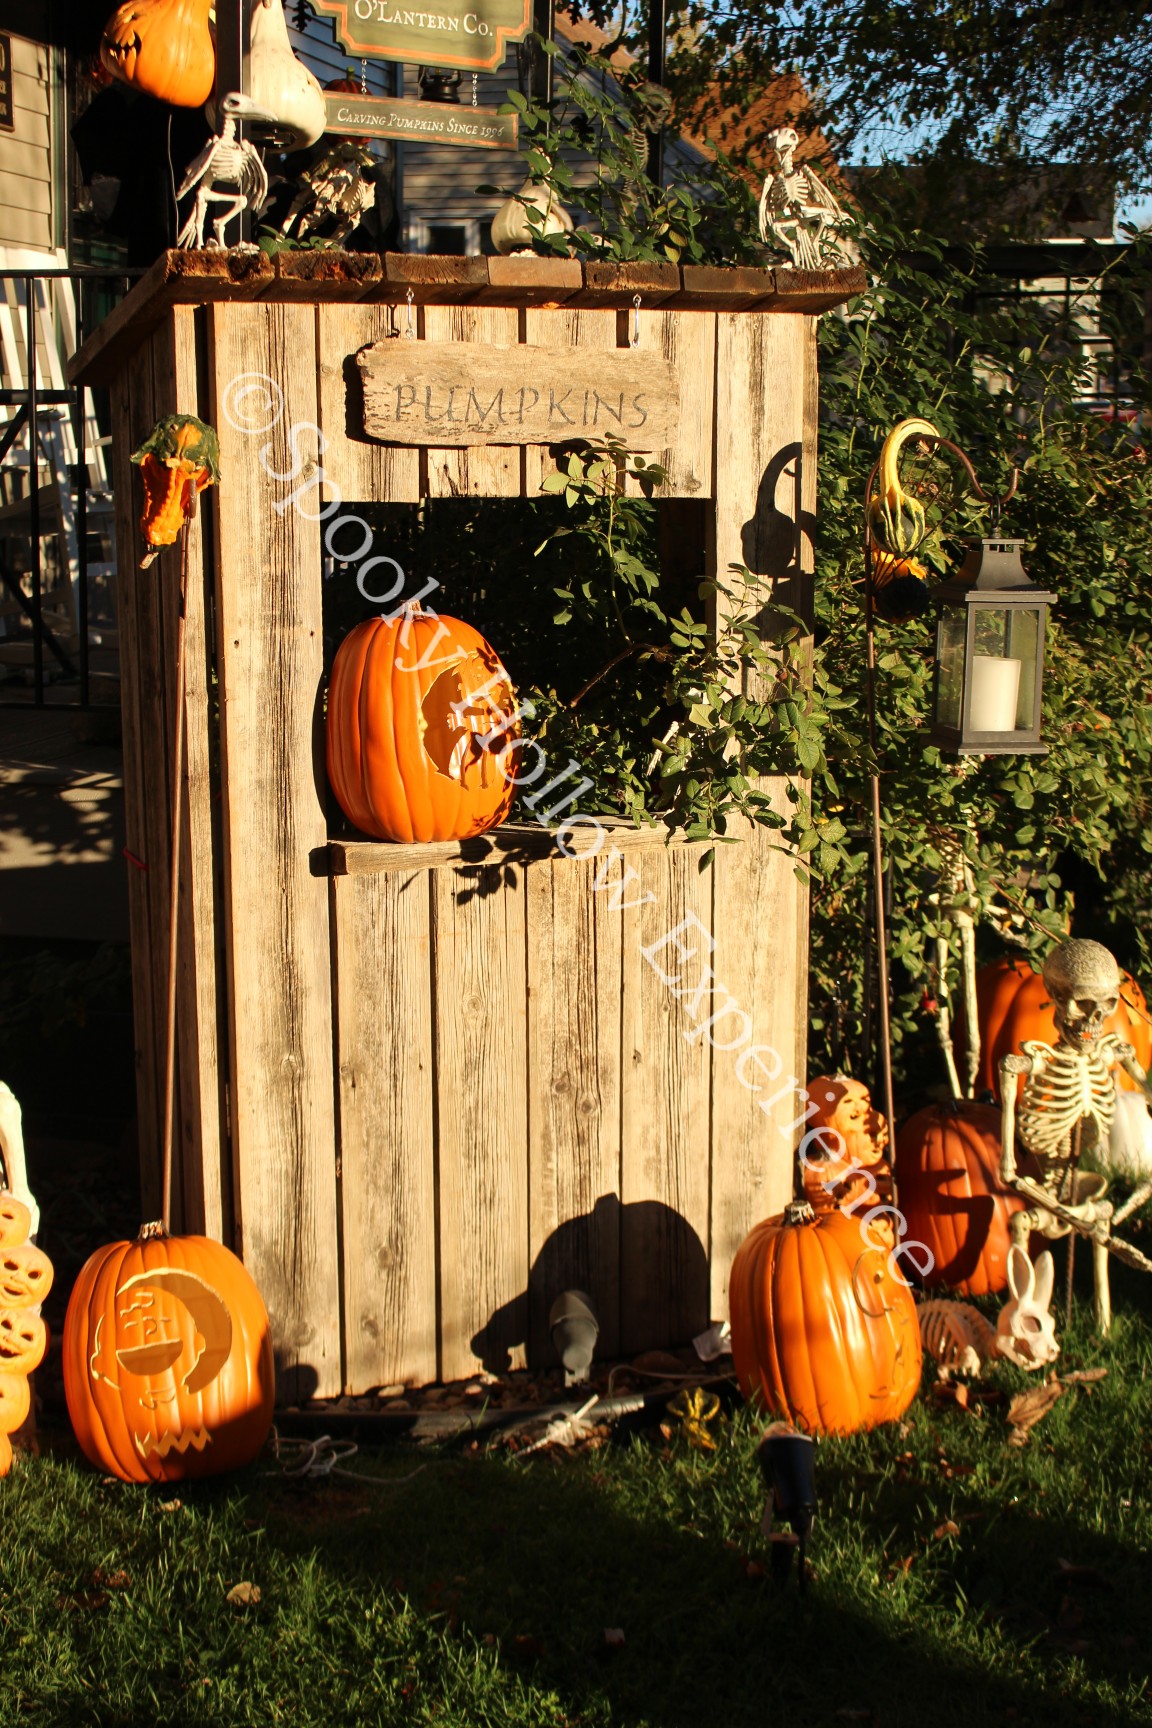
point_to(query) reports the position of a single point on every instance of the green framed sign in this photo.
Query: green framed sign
(351, 116)
(472, 35)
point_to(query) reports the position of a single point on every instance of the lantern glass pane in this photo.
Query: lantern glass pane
(1023, 645)
(950, 662)
(994, 673)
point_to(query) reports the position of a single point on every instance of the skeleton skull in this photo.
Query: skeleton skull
(1084, 982)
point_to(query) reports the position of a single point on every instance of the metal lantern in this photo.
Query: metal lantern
(989, 670)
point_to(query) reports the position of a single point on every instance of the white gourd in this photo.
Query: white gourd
(278, 82)
(511, 229)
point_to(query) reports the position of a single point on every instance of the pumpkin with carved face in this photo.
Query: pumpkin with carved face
(422, 734)
(25, 1280)
(167, 1359)
(845, 1108)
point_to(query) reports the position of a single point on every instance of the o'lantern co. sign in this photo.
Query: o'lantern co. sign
(455, 393)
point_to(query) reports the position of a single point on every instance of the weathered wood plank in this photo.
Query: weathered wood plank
(574, 993)
(432, 280)
(133, 415)
(269, 645)
(764, 489)
(319, 274)
(382, 967)
(478, 960)
(511, 843)
(357, 468)
(490, 471)
(708, 288)
(205, 1179)
(532, 281)
(584, 327)
(686, 341)
(618, 284)
(666, 935)
(816, 290)
(460, 393)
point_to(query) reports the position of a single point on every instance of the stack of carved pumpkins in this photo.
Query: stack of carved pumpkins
(25, 1280)
(824, 1333)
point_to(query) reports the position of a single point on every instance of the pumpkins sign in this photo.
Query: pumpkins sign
(168, 1366)
(421, 729)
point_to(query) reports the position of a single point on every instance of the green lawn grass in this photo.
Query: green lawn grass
(477, 1591)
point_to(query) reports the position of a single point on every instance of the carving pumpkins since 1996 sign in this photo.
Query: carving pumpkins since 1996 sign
(472, 35)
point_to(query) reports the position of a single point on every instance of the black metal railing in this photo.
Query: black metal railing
(94, 291)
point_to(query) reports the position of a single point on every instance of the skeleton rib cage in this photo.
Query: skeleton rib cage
(1069, 1101)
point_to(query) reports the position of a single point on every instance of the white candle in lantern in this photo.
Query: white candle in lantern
(995, 693)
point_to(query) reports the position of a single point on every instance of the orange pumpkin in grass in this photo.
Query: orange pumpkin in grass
(1012, 1004)
(167, 1359)
(410, 701)
(948, 1172)
(824, 1333)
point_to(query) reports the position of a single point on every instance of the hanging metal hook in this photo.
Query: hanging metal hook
(410, 332)
(635, 338)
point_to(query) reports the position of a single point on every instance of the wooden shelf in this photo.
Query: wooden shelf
(511, 843)
(200, 278)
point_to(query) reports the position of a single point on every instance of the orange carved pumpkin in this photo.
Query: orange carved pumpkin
(25, 1276)
(167, 1359)
(844, 1107)
(15, 1221)
(948, 1171)
(163, 48)
(23, 1341)
(15, 1401)
(824, 1333)
(1012, 1004)
(410, 702)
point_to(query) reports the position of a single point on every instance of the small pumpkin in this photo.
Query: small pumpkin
(15, 1402)
(168, 1367)
(15, 1221)
(162, 48)
(5, 1454)
(824, 1333)
(948, 1169)
(411, 700)
(23, 1341)
(844, 1107)
(1012, 1004)
(25, 1276)
(178, 459)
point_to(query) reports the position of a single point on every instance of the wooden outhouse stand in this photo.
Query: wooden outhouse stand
(424, 1089)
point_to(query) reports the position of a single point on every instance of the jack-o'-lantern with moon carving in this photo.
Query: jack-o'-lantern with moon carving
(168, 1366)
(837, 1179)
(422, 735)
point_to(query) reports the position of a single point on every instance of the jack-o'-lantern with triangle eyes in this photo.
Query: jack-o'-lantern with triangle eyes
(167, 1359)
(422, 729)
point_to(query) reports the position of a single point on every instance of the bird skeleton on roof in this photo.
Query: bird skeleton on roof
(798, 214)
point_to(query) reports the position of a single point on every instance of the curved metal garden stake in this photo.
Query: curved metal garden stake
(174, 890)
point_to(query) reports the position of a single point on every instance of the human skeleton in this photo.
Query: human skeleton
(1067, 1112)
(227, 171)
(797, 211)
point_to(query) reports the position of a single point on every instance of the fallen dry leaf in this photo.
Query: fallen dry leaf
(171, 1505)
(117, 1580)
(1083, 1376)
(1028, 1408)
(1069, 1572)
(614, 1637)
(948, 1528)
(87, 1600)
(244, 1595)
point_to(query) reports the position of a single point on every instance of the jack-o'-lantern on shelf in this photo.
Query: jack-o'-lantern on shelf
(422, 735)
(168, 1367)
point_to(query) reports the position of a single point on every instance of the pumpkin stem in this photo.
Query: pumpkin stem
(799, 1212)
(151, 1232)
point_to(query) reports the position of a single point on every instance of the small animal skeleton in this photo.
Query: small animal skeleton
(227, 171)
(962, 1341)
(797, 211)
(1067, 1113)
(333, 188)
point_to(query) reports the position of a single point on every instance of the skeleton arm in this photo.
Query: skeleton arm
(1010, 1066)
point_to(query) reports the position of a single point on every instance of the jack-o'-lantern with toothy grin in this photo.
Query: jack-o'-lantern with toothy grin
(167, 1359)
